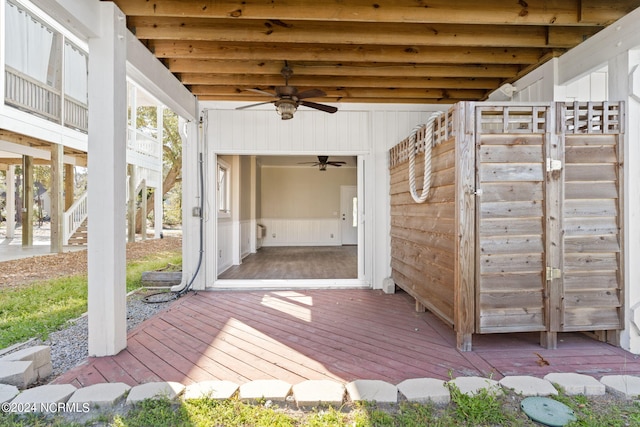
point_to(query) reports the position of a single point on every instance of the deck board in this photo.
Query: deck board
(327, 334)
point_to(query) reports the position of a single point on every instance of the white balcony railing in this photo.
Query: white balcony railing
(74, 217)
(143, 144)
(28, 94)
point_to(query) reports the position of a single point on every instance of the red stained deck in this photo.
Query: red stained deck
(327, 334)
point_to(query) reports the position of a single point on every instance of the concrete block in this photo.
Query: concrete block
(17, 373)
(528, 386)
(168, 389)
(318, 392)
(425, 390)
(627, 386)
(40, 355)
(107, 394)
(44, 371)
(275, 390)
(8, 392)
(217, 390)
(36, 399)
(472, 385)
(372, 390)
(573, 384)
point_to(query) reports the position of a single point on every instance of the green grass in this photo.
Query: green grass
(503, 410)
(37, 309)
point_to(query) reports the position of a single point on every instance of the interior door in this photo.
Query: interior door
(349, 214)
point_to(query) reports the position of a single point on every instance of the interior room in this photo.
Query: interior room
(297, 217)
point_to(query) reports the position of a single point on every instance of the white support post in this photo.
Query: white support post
(143, 210)
(11, 201)
(106, 187)
(158, 192)
(158, 206)
(624, 85)
(131, 204)
(57, 198)
(191, 201)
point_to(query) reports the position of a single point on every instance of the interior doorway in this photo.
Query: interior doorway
(302, 213)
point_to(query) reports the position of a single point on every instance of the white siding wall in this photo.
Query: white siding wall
(367, 131)
(309, 132)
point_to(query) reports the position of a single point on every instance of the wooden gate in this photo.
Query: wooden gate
(548, 241)
(522, 230)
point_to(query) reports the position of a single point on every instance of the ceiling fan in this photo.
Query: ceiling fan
(288, 99)
(323, 162)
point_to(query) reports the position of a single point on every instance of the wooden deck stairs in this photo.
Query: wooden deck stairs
(79, 237)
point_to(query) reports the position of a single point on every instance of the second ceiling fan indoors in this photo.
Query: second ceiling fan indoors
(288, 99)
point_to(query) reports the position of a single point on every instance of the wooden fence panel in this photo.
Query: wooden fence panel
(510, 235)
(592, 256)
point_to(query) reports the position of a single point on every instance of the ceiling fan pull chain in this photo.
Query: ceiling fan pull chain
(428, 145)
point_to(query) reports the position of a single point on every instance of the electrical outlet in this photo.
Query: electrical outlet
(273, 235)
(220, 254)
(332, 235)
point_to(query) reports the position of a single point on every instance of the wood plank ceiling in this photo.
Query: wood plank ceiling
(372, 51)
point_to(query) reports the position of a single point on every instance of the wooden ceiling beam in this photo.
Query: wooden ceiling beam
(357, 33)
(495, 12)
(340, 93)
(390, 81)
(364, 54)
(378, 69)
(383, 100)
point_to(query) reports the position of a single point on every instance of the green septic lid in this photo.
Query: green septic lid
(547, 411)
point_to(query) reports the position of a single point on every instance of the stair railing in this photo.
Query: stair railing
(74, 217)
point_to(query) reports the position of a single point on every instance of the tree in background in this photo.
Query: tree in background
(172, 164)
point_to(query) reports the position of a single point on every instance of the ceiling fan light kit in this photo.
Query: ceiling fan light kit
(286, 108)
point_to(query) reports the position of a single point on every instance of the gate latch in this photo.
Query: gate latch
(553, 165)
(553, 273)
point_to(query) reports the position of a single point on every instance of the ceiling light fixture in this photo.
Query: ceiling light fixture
(286, 108)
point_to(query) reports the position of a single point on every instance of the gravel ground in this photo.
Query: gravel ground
(69, 345)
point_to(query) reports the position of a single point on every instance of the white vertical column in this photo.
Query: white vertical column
(157, 210)
(106, 185)
(11, 201)
(624, 85)
(159, 191)
(191, 200)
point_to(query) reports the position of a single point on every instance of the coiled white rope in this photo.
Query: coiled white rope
(428, 145)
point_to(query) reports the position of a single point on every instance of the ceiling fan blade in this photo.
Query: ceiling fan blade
(321, 107)
(262, 92)
(338, 164)
(309, 163)
(254, 105)
(311, 93)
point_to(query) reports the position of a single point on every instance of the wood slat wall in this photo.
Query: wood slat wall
(592, 240)
(510, 233)
(423, 235)
(522, 233)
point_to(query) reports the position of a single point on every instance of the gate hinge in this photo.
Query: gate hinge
(553, 273)
(553, 165)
